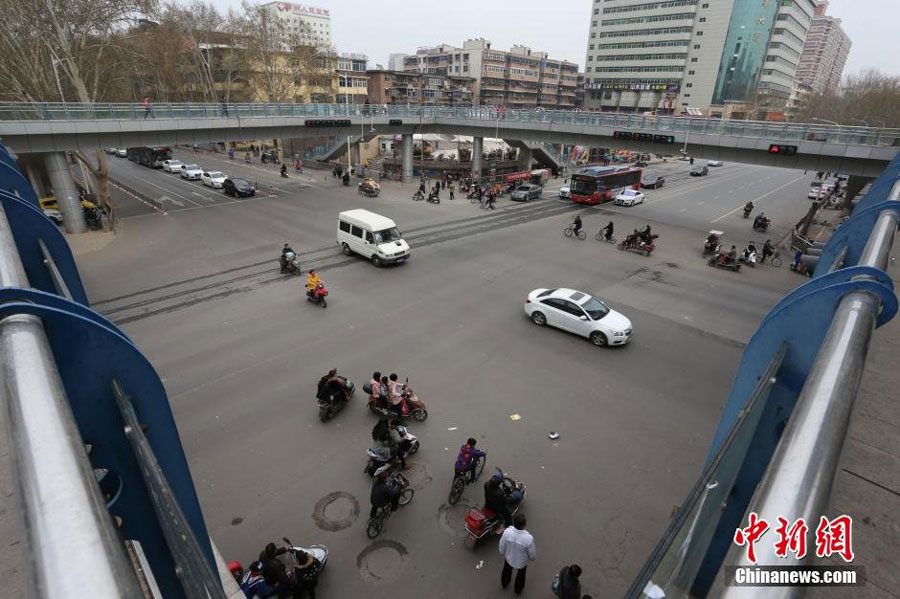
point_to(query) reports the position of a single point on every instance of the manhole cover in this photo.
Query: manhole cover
(336, 511)
(451, 518)
(382, 561)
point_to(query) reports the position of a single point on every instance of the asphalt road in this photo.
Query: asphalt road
(240, 352)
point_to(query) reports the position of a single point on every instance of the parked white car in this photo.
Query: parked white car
(121, 153)
(565, 191)
(714, 163)
(629, 197)
(213, 179)
(172, 166)
(580, 313)
(191, 171)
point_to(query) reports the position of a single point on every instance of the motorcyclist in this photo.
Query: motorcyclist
(331, 387)
(647, 236)
(380, 451)
(375, 384)
(760, 220)
(495, 499)
(398, 442)
(712, 241)
(576, 225)
(283, 170)
(632, 239)
(608, 231)
(305, 574)
(384, 492)
(728, 257)
(247, 157)
(312, 281)
(346, 178)
(768, 250)
(272, 568)
(748, 207)
(285, 251)
(468, 457)
(749, 251)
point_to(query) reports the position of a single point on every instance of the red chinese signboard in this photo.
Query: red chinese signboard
(517, 176)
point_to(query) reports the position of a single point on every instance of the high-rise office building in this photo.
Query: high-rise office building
(693, 56)
(303, 24)
(824, 52)
(519, 78)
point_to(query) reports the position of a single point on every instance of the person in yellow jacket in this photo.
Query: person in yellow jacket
(312, 280)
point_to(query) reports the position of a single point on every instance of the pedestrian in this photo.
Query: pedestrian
(224, 107)
(148, 110)
(451, 189)
(568, 586)
(692, 160)
(517, 548)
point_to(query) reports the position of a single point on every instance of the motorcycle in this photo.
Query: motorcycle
(418, 196)
(734, 265)
(375, 463)
(761, 226)
(480, 522)
(410, 405)
(638, 246)
(289, 558)
(317, 295)
(433, 198)
(748, 257)
(747, 211)
(290, 263)
(330, 406)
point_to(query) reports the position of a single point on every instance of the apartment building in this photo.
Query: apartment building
(353, 82)
(411, 87)
(824, 52)
(693, 56)
(518, 78)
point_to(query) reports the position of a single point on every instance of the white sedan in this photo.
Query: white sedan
(714, 163)
(214, 179)
(172, 166)
(191, 171)
(565, 191)
(579, 313)
(121, 153)
(629, 197)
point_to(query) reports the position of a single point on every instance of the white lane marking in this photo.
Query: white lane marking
(791, 182)
(200, 195)
(683, 210)
(167, 190)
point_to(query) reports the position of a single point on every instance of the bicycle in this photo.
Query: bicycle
(376, 522)
(601, 236)
(569, 232)
(466, 477)
(775, 259)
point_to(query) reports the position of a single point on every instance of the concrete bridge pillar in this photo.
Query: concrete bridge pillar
(406, 152)
(65, 192)
(525, 158)
(477, 151)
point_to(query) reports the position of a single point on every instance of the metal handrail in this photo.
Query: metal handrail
(801, 474)
(73, 543)
(824, 133)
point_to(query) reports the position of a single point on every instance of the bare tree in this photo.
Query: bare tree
(870, 96)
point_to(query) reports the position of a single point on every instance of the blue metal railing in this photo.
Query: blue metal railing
(825, 133)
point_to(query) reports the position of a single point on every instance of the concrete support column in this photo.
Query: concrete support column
(525, 158)
(477, 151)
(35, 180)
(853, 186)
(406, 151)
(65, 192)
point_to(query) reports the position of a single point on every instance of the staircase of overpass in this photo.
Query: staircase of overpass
(90, 428)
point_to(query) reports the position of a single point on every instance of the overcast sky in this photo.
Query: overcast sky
(380, 27)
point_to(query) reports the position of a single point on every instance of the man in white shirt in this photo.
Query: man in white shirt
(517, 547)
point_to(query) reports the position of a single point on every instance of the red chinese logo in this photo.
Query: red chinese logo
(748, 536)
(834, 536)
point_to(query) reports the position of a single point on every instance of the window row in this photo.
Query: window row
(655, 19)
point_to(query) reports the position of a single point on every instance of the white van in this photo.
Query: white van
(372, 236)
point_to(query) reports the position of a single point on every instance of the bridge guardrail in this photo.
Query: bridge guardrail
(66, 111)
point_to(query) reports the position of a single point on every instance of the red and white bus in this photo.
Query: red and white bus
(598, 184)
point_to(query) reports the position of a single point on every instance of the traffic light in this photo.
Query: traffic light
(659, 139)
(783, 150)
(664, 139)
(622, 134)
(395, 122)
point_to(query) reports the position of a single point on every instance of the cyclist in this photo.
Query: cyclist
(608, 231)
(468, 458)
(576, 225)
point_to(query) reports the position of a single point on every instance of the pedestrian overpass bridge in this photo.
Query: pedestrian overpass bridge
(54, 127)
